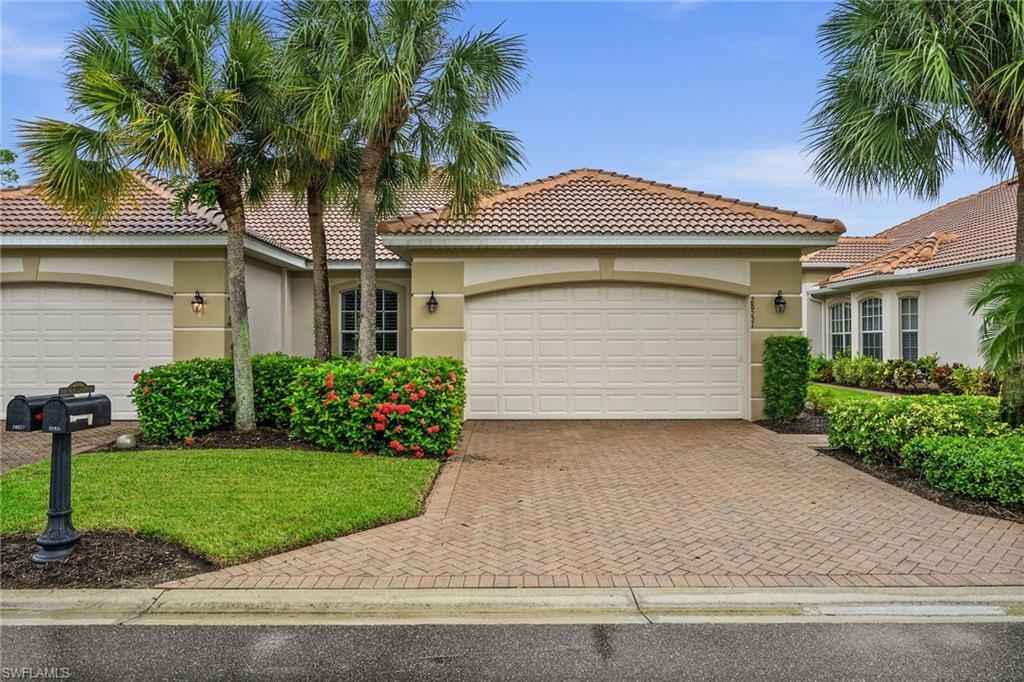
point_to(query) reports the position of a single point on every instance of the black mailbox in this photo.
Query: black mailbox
(67, 414)
(25, 413)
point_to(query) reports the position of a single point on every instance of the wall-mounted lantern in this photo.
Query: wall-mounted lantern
(780, 302)
(198, 303)
(432, 303)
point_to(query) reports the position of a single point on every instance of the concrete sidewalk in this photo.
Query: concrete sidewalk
(534, 606)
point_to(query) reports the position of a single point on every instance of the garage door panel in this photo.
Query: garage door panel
(614, 351)
(57, 333)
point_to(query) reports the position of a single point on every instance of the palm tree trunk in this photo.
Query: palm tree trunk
(367, 200)
(321, 285)
(229, 196)
(1019, 252)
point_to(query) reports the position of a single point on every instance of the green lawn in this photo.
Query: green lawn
(842, 393)
(229, 506)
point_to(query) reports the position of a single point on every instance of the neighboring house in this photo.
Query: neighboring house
(902, 293)
(583, 295)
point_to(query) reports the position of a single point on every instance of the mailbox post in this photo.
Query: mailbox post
(59, 415)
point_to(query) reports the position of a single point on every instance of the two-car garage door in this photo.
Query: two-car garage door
(53, 334)
(606, 351)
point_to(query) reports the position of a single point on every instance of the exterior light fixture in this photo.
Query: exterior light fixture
(780, 302)
(432, 303)
(198, 303)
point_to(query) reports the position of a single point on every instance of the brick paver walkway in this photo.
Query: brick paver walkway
(651, 504)
(19, 449)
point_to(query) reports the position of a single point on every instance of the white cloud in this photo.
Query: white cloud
(30, 56)
(779, 166)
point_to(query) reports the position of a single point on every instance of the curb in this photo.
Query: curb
(527, 606)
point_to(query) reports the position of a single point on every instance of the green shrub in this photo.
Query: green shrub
(272, 376)
(819, 400)
(180, 399)
(972, 381)
(787, 361)
(820, 369)
(392, 406)
(985, 468)
(927, 363)
(877, 429)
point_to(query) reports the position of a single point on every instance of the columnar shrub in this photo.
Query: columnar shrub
(787, 361)
(986, 468)
(180, 399)
(877, 429)
(392, 406)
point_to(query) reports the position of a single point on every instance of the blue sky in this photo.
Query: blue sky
(708, 95)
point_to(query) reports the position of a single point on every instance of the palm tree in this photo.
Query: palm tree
(423, 99)
(914, 87)
(317, 155)
(184, 88)
(1000, 301)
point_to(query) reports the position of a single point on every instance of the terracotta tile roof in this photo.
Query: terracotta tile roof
(24, 211)
(590, 201)
(279, 222)
(977, 227)
(850, 250)
(281, 219)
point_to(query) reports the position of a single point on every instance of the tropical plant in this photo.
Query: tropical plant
(423, 100)
(916, 86)
(316, 152)
(183, 88)
(1000, 301)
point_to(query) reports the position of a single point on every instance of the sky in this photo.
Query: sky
(712, 96)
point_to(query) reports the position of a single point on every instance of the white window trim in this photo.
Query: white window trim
(861, 300)
(828, 314)
(908, 296)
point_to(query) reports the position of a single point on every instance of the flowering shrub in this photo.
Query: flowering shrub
(180, 399)
(987, 468)
(924, 375)
(394, 406)
(877, 429)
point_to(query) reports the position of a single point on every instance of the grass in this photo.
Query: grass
(841, 394)
(228, 506)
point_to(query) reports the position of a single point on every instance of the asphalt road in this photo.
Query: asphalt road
(969, 651)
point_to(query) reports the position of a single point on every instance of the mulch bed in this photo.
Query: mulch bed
(914, 483)
(103, 559)
(805, 423)
(228, 439)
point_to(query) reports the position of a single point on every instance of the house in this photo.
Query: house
(902, 293)
(587, 294)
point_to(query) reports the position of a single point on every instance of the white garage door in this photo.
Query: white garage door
(606, 351)
(53, 334)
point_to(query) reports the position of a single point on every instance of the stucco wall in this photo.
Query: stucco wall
(945, 324)
(264, 293)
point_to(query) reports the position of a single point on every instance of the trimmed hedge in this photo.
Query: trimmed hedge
(272, 377)
(787, 361)
(986, 468)
(392, 406)
(877, 429)
(180, 399)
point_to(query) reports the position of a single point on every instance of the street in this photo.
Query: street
(833, 651)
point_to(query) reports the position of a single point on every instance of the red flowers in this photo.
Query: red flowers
(329, 381)
(135, 377)
(145, 389)
(433, 429)
(395, 396)
(190, 440)
(450, 452)
(358, 453)
(404, 409)
(378, 427)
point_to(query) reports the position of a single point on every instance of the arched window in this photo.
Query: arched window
(387, 322)
(871, 328)
(841, 326)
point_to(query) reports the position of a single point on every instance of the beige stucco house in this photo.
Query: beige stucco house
(584, 295)
(902, 293)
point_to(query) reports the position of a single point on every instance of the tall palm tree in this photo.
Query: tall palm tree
(1000, 301)
(317, 155)
(424, 95)
(184, 88)
(914, 87)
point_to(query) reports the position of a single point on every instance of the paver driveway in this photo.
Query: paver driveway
(19, 449)
(696, 503)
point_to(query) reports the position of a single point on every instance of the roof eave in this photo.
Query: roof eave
(916, 274)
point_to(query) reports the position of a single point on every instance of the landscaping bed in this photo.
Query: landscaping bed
(179, 512)
(914, 483)
(102, 559)
(226, 438)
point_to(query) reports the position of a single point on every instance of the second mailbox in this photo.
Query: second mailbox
(69, 414)
(25, 413)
